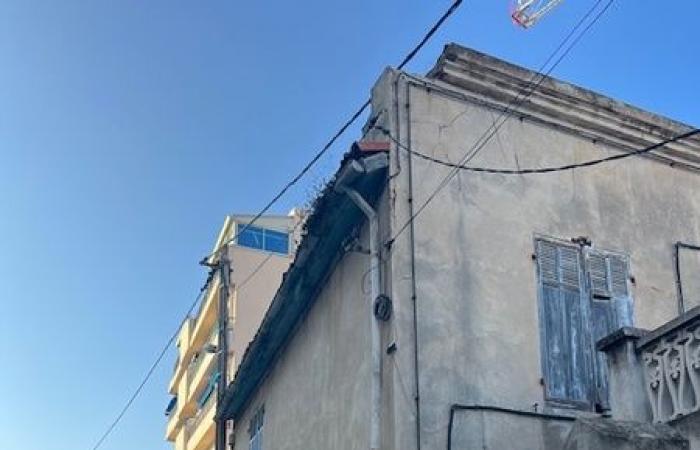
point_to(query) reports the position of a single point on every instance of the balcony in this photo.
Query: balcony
(654, 376)
(185, 409)
(181, 439)
(201, 427)
(206, 316)
(200, 369)
(671, 359)
(173, 420)
(184, 353)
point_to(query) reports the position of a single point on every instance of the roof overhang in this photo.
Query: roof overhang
(332, 221)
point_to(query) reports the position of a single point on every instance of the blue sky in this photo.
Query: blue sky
(129, 129)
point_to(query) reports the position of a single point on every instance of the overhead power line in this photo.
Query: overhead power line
(409, 56)
(540, 170)
(353, 118)
(153, 367)
(567, 44)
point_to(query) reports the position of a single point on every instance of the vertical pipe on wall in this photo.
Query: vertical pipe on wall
(224, 266)
(376, 362)
(679, 285)
(412, 239)
(679, 281)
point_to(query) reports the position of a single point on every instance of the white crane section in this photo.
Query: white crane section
(527, 12)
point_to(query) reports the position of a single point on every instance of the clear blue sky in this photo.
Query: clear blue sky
(129, 129)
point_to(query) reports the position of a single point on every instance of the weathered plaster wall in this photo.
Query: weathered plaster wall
(317, 394)
(476, 430)
(476, 281)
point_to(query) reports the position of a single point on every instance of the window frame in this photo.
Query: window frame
(587, 299)
(265, 234)
(255, 429)
(550, 400)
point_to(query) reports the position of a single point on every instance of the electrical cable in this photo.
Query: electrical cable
(410, 55)
(516, 102)
(529, 90)
(542, 170)
(153, 367)
(255, 271)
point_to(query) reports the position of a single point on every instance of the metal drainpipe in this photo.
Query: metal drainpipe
(223, 350)
(376, 355)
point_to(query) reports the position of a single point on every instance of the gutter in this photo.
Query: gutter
(351, 172)
(325, 231)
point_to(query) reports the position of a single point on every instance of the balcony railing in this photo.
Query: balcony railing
(204, 411)
(202, 354)
(205, 298)
(671, 361)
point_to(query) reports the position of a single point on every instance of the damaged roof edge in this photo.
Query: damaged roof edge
(334, 217)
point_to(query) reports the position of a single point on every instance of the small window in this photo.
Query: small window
(250, 236)
(255, 430)
(276, 241)
(263, 239)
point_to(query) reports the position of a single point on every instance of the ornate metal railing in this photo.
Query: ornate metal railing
(671, 358)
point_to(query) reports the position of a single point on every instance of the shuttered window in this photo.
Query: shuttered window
(584, 296)
(608, 274)
(565, 362)
(610, 307)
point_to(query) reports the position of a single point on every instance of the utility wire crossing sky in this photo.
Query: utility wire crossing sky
(130, 130)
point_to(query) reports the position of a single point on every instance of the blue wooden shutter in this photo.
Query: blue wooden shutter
(611, 307)
(566, 358)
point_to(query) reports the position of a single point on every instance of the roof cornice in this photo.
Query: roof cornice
(497, 83)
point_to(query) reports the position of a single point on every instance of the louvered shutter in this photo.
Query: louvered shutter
(566, 362)
(608, 275)
(610, 307)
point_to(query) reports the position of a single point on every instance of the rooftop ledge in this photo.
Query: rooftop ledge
(488, 80)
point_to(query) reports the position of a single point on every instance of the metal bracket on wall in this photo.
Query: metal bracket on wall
(679, 283)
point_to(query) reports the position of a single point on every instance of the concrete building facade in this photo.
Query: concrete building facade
(500, 295)
(259, 254)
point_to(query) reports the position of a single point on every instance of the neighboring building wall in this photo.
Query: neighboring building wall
(252, 292)
(255, 276)
(477, 286)
(316, 395)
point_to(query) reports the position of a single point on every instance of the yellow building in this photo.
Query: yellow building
(259, 256)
